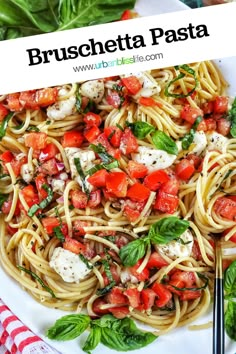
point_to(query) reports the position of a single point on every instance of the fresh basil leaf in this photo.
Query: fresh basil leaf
(86, 262)
(230, 323)
(188, 70)
(45, 202)
(3, 126)
(39, 280)
(188, 139)
(232, 119)
(164, 142)
(230, 280)
(197, 122)
(108, 167)
(82, 175)
(133, 251)
(68, 327)
(32, 128)
(120, 127)
(167, 229)
(102, 153)
(140, 129)
(93, 339)
(58, 233)
(3, 198)
(123, 335)
(106, 289)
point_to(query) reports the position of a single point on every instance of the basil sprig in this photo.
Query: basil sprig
(120, 335)
(188, 138)
(161, 232)
(181, 75)
(82, 175)
(44, 203)
(141, 129)
(163, 142)
(230, 295)
(4, 124)
(232, 119)
(108, 161)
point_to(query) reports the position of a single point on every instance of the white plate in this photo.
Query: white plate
(39, 318)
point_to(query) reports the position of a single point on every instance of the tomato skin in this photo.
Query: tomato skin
(148, 298)
(220, 105)
(144, 275)
(154, 180)
(156, 261)
(97, 307)
(226, 208)
(30, 195)
(79, 199)
(72, 138)
(116, 296)
(223, 126)
(138, 192)
(195, 160)
(132, 84)
(17, 163)
(27, 99)
(190, 295)
(13, 102)
(6, 156)
(170, 187)
(78, 228)
(164, 295)
(40, 181)
(128, 143)
(73, 245)
(120, 312)
(98, 179)
(149, 102)
(208, 107)
(91, 133)
(207, 125)
(131, 214)
(3, 111)
(37, 141)
(184, 169)
(188, 278)
(113, 135)
(134, 297)
(167, 203)
(49, 167)
(175, 283)
(92, 119)
(137, 170)
(127, 15)
(114, 99)
(117, 184)
(48, 152)
(190, 114)
(94, 199)
(47, 96)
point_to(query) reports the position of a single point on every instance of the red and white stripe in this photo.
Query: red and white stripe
(16, 338)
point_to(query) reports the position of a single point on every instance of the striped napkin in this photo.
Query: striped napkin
(16, 338)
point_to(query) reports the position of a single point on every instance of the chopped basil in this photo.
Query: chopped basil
(86, 262)
(118, 88)
(197, 122)
(120, 127)
(102, 153)
(232, 119)
(32, 128)
(58, 233)
(44, 203)
(4, 124)
(163, 142)
(108, 167)
(106, 290)
(78, 104)
(189, 137)
(81, 174)
(181, 75)
(3, 198)
(36, 277)
(3, 175)
(141, 129)
(18, 127)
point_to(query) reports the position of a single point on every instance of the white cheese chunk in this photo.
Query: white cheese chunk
(93, 89)
(149, 86)
(126, 276)
(200, 142)
(63, 108)
(153, 159)
(217, 142)
(26, 173)
(68, 265)
(177, 249)
(58, 185)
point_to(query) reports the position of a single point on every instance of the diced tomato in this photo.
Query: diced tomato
(167, 203)
(78, 228)
(6, 207)
(40, 181)
(164, 295)
(116, 296)
(94, 199)
(131, 214)
(30, 195)
(208, 107)
(232, 197)
(223, 126)
(27, 99)
(144, 275)
(119, 312)
(121, 241)
(220, 105)
(72, 138)
(226, 208)
(128, 143)
(156, 261)
(48, 152)
(73, 245)
(155, 179)
(102, 139)
(91, 119)
(91, 133)
(184, 169)
(46, 96)
(97, 307)
(10, 230)
(190, 114)
(134, 297)
(98, 179)
(149, 102)
(138, 192)
(49, 167)
(132, 84)
(226, 263)
(137, 170)
(196, 252)
(114, 273)
(3, 111)
(113, 135)
(13, 102)
(16, 164)
(111, 78)
(37, 141)
(79, 199)
(233, 237)
(108, 195)
(148, 298)
(170, 187)
(127, 15)
(195, 160)
(6, 156)
(173, 284)
(190, 295)
(115, 99)
(188, 278)
(49, 223)
(207, 125)
(117, 184)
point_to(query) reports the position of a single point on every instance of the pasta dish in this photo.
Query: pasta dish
(111, 191)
